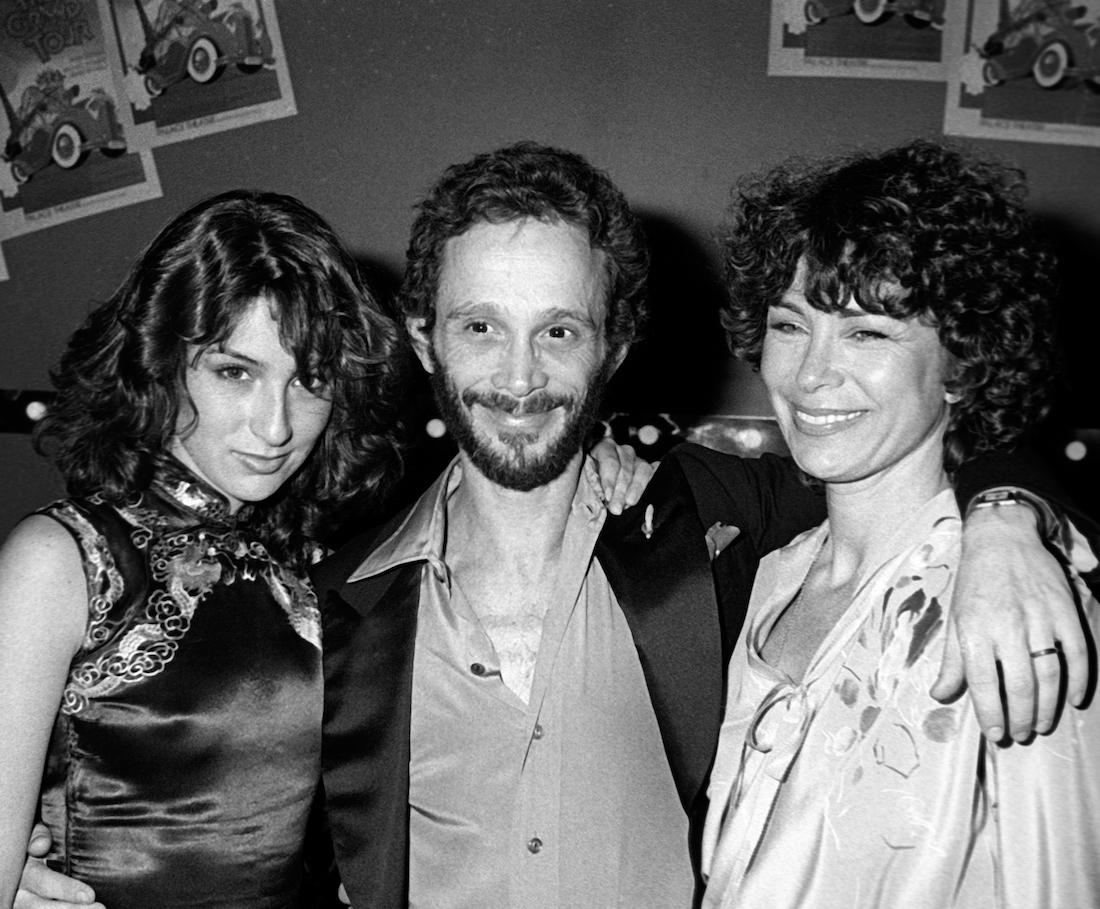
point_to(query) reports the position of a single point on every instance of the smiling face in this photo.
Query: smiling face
(856, 394)
(252, 420)
(518, 354)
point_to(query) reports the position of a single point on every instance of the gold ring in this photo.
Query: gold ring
(1035, 654)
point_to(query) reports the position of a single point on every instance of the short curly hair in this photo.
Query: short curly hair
(120, 382)
(528, 180)
(950, 231)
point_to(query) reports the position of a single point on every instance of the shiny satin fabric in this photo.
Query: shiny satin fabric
(186, 755)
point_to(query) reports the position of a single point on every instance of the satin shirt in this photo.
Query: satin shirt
(562, 802)
(854, 788)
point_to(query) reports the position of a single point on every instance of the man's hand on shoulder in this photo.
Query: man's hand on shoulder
(623, 475)
(1014, 629)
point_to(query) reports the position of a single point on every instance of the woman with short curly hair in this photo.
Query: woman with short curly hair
(923, 232)
(159, 640)
(897, 306)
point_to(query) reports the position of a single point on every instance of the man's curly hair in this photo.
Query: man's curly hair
(921, 231)
(121, 380)
(528, 180)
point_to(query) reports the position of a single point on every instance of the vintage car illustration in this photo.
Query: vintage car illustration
(52, 125)
(918, 13)
(1045, 39)
(191, 40)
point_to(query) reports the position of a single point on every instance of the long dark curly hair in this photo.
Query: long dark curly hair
(528, 180)
(924, 231)
(119, 384)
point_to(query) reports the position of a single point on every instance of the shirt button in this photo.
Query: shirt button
(534, 845)
(477, 669)
(538, 732)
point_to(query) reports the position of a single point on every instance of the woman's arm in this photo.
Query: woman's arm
(43, 613)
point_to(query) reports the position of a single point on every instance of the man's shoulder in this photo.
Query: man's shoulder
(332, 572)
(693, 455)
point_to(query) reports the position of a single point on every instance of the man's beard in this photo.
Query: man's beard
(516, 468)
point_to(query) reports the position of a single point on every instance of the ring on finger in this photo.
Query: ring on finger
(1046, 651)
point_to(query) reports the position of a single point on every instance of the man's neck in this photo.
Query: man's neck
(521, 530)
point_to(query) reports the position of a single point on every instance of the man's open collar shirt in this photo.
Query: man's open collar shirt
(564, 801)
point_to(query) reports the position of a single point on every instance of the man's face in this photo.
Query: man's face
(518, 355)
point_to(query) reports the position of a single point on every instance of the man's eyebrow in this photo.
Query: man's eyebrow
(487, 310)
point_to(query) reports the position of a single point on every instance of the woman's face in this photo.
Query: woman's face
(255, 420)
(855, 393)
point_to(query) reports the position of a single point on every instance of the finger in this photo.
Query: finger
(984, 684)
(951, 681)
(1018, 674)
(607, 456)
(25, 900)
(643, 473)
(1047, 669)
(1075, 660)
(41, 885)
(40, 841)
(628, 462)
(342, 893)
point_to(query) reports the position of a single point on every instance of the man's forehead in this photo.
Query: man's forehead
(539, 233)
(526, 256)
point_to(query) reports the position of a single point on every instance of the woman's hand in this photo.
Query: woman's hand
(623, 475)
(41, 888)
(1012, 605)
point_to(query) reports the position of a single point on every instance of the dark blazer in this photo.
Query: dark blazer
(684, 612)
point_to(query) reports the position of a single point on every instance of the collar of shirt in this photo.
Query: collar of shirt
(422, 535)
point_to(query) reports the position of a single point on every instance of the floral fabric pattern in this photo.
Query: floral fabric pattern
(191, 547)
(853, 787)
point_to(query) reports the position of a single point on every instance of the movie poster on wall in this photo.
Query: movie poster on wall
(195, 67)
(1027, 70)
(67, 150)
(870, 39)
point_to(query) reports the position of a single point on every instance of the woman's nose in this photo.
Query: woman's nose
(819, 366)
(271, 417)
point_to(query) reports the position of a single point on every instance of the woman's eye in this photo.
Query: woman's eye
(232, 373)
(867, 334)
(783, 328)
(315, 385)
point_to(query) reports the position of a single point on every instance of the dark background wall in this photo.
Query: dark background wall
(671, 97)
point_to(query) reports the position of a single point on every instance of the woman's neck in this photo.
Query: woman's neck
(865, 514)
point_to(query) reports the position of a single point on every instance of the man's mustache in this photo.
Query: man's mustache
(539, 402)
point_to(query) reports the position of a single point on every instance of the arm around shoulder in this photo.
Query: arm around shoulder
(43, 614)
(765, 498)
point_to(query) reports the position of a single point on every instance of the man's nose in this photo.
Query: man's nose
(520, 369)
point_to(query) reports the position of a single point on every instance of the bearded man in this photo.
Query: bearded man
(523, 693)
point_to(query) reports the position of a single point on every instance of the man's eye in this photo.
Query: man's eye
(478, 328)
(559, 332)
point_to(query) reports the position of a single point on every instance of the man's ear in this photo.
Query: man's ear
(617, 357)
(421, 340)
